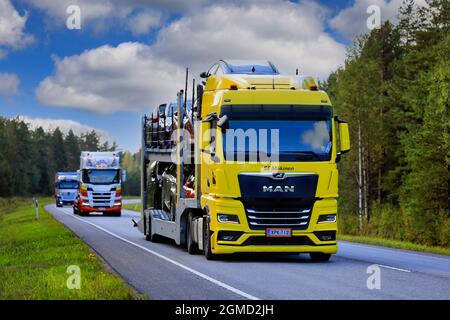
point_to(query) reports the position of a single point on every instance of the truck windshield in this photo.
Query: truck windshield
(101, 176)
(67, 184)
(284, 136)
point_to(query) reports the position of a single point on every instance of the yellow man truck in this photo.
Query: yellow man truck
(256, 171)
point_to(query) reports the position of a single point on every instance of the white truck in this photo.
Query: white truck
(100, 184)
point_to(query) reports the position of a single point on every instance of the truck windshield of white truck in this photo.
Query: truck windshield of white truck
(101, 176)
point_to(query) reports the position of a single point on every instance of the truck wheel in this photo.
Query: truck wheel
(118, 213)
(207, 241)
(75, 211)
(319, 256)
(82, 213)
(153, 238)
(192, 247)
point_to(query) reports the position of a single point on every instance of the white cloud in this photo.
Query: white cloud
(12, 28)
(142, 22)
(290, 35)
(64, 125)
(135, 76)
(101, 13)
(109, 79)
(352, 21)
(9, 84)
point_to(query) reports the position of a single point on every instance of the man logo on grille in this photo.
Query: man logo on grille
(278, 175)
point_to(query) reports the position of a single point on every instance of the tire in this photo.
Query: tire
(83, 214)
(207, 241)
(191, 246)
(319, 256)
(75, 211)
(117, 214)
(153, 238)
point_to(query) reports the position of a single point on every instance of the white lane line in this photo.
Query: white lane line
(202, 275)
(393, 268)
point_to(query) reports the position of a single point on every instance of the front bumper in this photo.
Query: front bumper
(65, 202)
(250, 240)
(258, 242)
(84, 207)
(100, 209)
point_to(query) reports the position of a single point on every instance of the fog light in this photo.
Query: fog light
(326, 235)
(230, 218)
(229, 235)
(327, 218)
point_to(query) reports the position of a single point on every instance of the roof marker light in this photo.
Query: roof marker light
(312, 86)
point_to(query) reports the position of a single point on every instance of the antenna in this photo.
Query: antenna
(185, 94)
(193, 101)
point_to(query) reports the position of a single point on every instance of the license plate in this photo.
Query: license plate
(278, 232)
(101, 209)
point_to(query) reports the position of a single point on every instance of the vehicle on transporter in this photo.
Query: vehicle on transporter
(100, 181)
(235, 187)
(66, 188)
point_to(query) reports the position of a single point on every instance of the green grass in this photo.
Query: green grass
(35, 255)
(133, 206)
(395, 244)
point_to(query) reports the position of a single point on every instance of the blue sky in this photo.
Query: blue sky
(129, 55)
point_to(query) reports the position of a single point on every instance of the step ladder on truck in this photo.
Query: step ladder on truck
(220, 197)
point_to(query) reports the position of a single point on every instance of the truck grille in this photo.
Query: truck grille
(101, 199)
(291, 219)
(277, 214)
(278, 199)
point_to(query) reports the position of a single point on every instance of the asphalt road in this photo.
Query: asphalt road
(165, 271)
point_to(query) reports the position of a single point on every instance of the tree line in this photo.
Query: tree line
(29, 158)
(394, 91)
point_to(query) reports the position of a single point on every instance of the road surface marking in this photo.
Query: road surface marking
(393, 268)
(202, 275)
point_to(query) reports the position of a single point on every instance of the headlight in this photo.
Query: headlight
(327, 218)
(230, 218)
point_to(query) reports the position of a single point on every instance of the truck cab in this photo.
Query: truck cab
(100, 181)
(66, 185)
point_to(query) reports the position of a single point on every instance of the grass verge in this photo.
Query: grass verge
(395, 244)
(35, 256)
(133, 206)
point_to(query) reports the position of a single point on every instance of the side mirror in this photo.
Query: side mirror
(344, 136)
(124, 175)
(204, 75)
